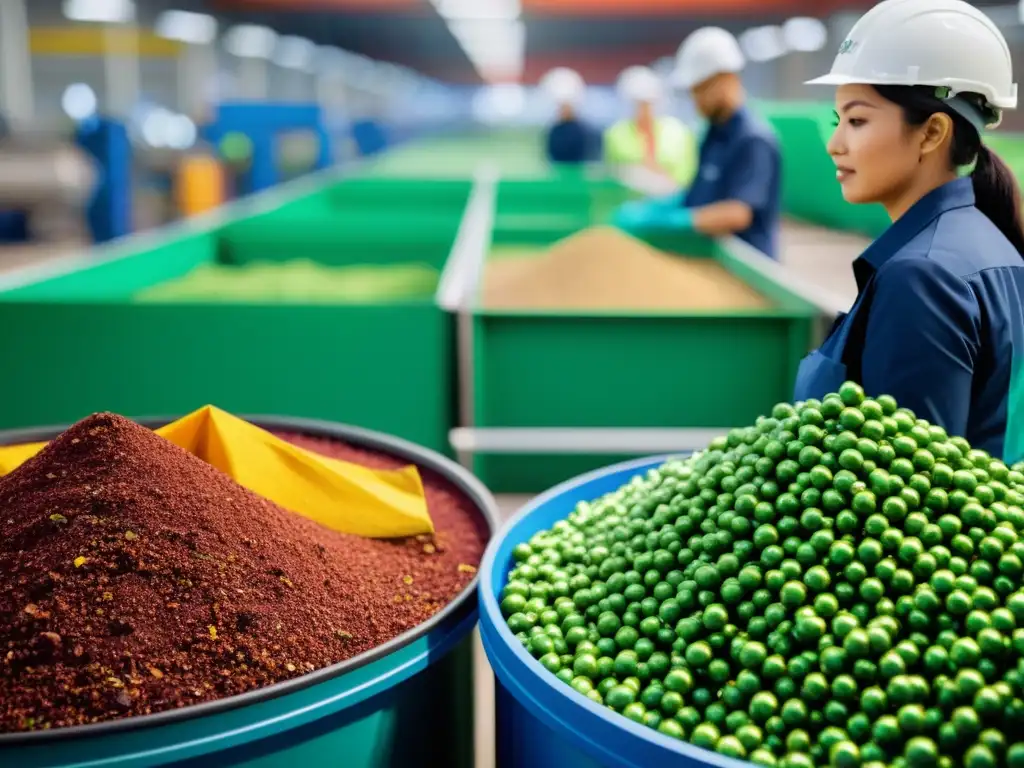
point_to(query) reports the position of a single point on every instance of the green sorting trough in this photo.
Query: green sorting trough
(407, 209)
(629, 369)
(77, 343)
(564, 201)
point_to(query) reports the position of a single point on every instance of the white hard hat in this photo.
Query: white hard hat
(563, 85)
(707, 52)
(946, 43)
(640, 84)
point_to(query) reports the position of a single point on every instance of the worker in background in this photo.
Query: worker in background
(938, 322)
(737, 188)
(13, 223)
(661, 143)
(569, 140)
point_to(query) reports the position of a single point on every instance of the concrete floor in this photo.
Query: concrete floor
(822, 256)
(483, 727)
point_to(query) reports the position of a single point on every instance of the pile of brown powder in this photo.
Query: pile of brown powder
(602, 268)
(136, 578)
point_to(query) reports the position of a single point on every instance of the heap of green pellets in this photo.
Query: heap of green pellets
(839, 584)
(299, 281)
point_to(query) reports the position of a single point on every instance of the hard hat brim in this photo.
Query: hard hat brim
(832, 79)
(1009, 102)
(687, 80)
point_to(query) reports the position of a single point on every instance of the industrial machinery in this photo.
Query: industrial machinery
(258, 129)
(50, 181)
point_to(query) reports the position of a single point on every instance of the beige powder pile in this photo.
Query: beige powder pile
(602, 268)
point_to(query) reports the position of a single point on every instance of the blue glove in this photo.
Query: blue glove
(647, 215)
(671, 201)
(632, 216)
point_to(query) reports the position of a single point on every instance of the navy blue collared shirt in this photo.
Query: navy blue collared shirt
(570, 141)
(740, 160)
(944, 329)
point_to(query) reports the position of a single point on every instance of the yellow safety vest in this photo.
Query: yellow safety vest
(675, 147)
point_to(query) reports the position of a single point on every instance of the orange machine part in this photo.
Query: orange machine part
(200, 185)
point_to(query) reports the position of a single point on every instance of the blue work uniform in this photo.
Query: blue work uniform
(570, 141)
(740, 160)
(938, 323)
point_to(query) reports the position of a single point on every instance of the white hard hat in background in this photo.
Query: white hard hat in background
(564, 85)
(707, 52)
(947, 43)
(640, 84)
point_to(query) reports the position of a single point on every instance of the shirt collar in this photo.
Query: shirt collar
(730, 126)
(954, 194)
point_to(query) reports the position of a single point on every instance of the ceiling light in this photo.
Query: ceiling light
(479, 9)
(294, 52)
(763, 43)
(250, 41)
(186, 27)
(104, 11)
(79, 101)
(805, 34)
(497, 49)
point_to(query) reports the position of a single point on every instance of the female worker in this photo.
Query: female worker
(659, 142)
(938, 322)
(569, 140)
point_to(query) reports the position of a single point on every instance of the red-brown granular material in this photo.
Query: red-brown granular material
(136, 578)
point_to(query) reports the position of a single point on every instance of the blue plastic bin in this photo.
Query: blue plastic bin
(406, 703)
(541, 722)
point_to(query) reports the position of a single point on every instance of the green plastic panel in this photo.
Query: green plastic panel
(534, 369)
(340, 239)
(364, 220)
(382, 367)
(436, 195)
(562, 202)
(82, 345)
(119, 278)
(517, 153)
(1010, 147)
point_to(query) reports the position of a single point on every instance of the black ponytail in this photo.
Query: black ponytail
(996, 191)
(997, 195)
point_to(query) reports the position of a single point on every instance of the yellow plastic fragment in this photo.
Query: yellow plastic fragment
(341, 495)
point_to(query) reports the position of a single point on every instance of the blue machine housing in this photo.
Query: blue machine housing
(542, 722)
(109, 212)
(261, 122)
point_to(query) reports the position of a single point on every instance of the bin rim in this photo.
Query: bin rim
(360, 437)
(608, 734)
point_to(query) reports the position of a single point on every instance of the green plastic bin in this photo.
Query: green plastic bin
(408, 702)
(619, 369)
(82, 345)
(435, 195)
(515, 152)
(410, 210)
(565, 201)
